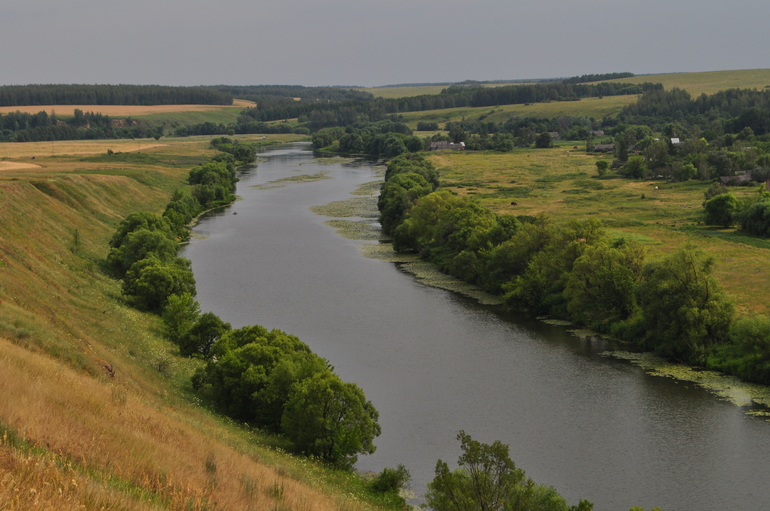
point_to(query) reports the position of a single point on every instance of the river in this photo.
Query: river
(434, 362)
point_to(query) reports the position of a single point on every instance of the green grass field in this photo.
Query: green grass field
(589, 107)
(708, 82)
(224, 116)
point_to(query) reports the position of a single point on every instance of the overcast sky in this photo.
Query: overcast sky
(359, 42)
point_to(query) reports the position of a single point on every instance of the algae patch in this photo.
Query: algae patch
(302, 178)
(363, 230)
(555, 322)
(729, 388)
(428, 274)
(363, 207)
(371, 188)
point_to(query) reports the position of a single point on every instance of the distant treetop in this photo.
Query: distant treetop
(597, 78)
(75, 94)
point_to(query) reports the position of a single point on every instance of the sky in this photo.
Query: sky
(368, 43)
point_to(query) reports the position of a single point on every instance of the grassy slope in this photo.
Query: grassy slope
(562, 182)
(589, 107)
(708, 82)
(416, 90)
(95, 407)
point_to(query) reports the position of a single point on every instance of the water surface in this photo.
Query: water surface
(434, 362)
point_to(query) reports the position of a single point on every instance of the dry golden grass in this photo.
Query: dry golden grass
(562, 182)
(125, 439)
(124, 110)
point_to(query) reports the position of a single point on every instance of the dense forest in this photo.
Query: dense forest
(272, 94)
(81, 94)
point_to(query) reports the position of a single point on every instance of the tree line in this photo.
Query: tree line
(82, 94)
(268, 378)
(271, 96)
(672, 306)
(378, 108)
(597, 77)
(730, 110)
(41, 127)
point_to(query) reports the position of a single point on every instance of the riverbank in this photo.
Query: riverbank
(91, 395)
(755, 398)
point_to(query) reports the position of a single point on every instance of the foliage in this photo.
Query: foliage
(81, 94)
(200, 337)
(331, 419)
(600, 287)
(489, 480)
(635, 168)
(683, 309)
(149, 282)
(544, 140)
(601, 167)
(141, 244)
(397, 197)
(179, 315)
(391, 480)
(756, 219)
(721, 210)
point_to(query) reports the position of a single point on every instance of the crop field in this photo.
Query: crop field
(708, 82)
(562, 182)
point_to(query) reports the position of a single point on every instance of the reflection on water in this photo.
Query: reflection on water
(434, 362)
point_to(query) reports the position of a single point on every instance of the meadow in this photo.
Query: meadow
(708, 82)
(96, 407)
(562, 182)
(597, 108)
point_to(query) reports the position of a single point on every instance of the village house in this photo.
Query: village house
(438, 146)
(604, 148)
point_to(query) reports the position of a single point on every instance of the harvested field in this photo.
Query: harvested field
(12, 165)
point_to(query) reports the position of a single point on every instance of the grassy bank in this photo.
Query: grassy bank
(96, 408)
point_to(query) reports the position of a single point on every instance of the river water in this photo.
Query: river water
(434, 362)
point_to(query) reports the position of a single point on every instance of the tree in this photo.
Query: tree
(544, 140)
(141, 244)
(149, 282)
(756, 219)
(331, 419)
(179, 315)
(488, 480)
(636, 167)
(684, 310)
(600, 287)
(721, 210)
(601, 167)
(201, 336)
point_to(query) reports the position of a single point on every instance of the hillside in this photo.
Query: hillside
(96, 409)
